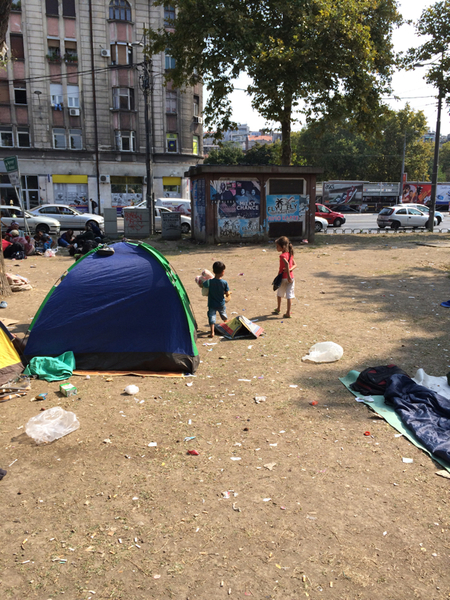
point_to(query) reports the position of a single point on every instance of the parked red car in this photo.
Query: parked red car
(334, 218)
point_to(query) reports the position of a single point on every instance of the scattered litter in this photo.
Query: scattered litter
(39, 397)
(272, 444)
(266, 499)
(236, 508)
(156, 576)
(365, 399)
(14, 461)
(384, 532)
(443, 473)
(193, 452)
(190, 384)
(152, 444)
(367, 433)
(131, 390)
(270, 466)
(107, 441)
(247, 380)
(407, 460)
(225, 494)
(87, 377)
(324, 352)
(67, 389)
(397, 435)
(314, 403)
(235, 458)
(188, 439)
(51, 425)
(259, 399)
(293, 386)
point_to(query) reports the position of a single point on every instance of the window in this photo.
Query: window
(169, 16)
(76, 141)
(169, 62)
(51, 7)
(172, 139)
(17, 47)
(196, 106)
(171, 102)
(56, 94)
(70, 52)
(23, 137)
(54, 50)
(126, 141)
(195, 144)
(20, 92)
(59, 138)
(68, 8)
(73, 97)
(123, 98)
(119, 10)
(121, 54)
(6, 137)
(16, 5)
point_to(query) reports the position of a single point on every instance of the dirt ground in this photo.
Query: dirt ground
(316, 509)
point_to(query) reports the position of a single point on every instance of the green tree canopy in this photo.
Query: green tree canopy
(231, 154)
(346, 154)
(325, 57)
(228, 154)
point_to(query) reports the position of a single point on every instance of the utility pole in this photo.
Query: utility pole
(146, 82)
(434, 175)
(402, 174)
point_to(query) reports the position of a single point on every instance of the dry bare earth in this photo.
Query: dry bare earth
(316, 509)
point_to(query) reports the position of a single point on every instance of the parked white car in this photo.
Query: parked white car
(68, 216)
(35, 222)
(185, 221)
(402, 216)
(426, 210)
(321, 224)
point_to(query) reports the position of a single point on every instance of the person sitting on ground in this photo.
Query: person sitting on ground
(24, 240)
(67, 238)
(42, 242)
(96, 231)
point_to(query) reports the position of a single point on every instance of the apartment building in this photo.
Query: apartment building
(72, 107)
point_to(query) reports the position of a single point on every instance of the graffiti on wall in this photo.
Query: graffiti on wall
(199, 196)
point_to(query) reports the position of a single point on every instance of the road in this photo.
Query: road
(369, 221)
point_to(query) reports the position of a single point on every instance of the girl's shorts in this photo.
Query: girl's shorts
(286, 289)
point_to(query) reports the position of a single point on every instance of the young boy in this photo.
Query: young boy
(217, 291)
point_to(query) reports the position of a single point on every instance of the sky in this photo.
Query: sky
(409, 86)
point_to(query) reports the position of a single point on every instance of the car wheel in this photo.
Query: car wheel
(382, 226)
(185, 228)
(337, 222)
(92, 223)
(43, 227)
(395, 225)
(318, 227)
(439, 220)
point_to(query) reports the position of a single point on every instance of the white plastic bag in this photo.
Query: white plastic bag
(324, 352)
(50, 253)
(51, 425)
(131, 390)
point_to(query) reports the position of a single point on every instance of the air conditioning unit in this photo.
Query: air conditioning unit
(105, 179)
(198, 120)
(74, 112)
(105, 53)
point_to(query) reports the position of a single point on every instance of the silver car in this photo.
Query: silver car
(426, 210)
(185, 221)
(402, 216)
(68, 216)
(35, 222)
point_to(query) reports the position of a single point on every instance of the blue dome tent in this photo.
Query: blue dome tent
(125, 312)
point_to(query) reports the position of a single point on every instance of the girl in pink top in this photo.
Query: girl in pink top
(287, 265)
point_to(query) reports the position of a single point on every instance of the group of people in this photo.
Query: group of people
(219, 291)
(17, 245)
(82, 243)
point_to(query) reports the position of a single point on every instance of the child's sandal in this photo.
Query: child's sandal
(276, 311)
(286, 316)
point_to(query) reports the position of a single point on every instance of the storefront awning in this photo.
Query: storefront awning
(69, 178)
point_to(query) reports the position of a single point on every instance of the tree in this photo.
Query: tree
(445, 160)
(321, 56)
(228, 154)
(5, 9)
(346, 154)
(263, 154)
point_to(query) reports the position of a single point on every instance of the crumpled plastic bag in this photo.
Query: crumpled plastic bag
(324, 352)
(131, 390)
(51, 425)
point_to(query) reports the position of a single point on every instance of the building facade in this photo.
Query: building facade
(73, 110)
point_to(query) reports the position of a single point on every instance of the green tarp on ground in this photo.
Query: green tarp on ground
(388, 413)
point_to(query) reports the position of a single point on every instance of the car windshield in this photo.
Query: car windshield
(387, 211)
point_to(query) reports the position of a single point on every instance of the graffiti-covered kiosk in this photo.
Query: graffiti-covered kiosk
(232, 203)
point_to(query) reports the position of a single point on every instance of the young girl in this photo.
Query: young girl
(287, 265)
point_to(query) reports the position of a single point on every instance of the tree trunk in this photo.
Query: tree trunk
(5, 8)
(286, 151)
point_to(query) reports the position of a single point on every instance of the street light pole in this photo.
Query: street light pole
(434, 175)
(402, 174)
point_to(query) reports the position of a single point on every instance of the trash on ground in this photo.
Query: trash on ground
(188, 439)
(39, 397)
(51, 425)
(2, 473)
(365, 399)
(67, 389)
(314, 403)
(367, 433)
(407, 460)
(259, 399)
(324, 352)
(193, 452)
(236, 458)
(236, 508)
(152, 444)
(443, 473)
(131, 390)
(270, 466)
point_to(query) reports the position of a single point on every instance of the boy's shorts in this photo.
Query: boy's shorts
(212, 314)
(286, 289)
